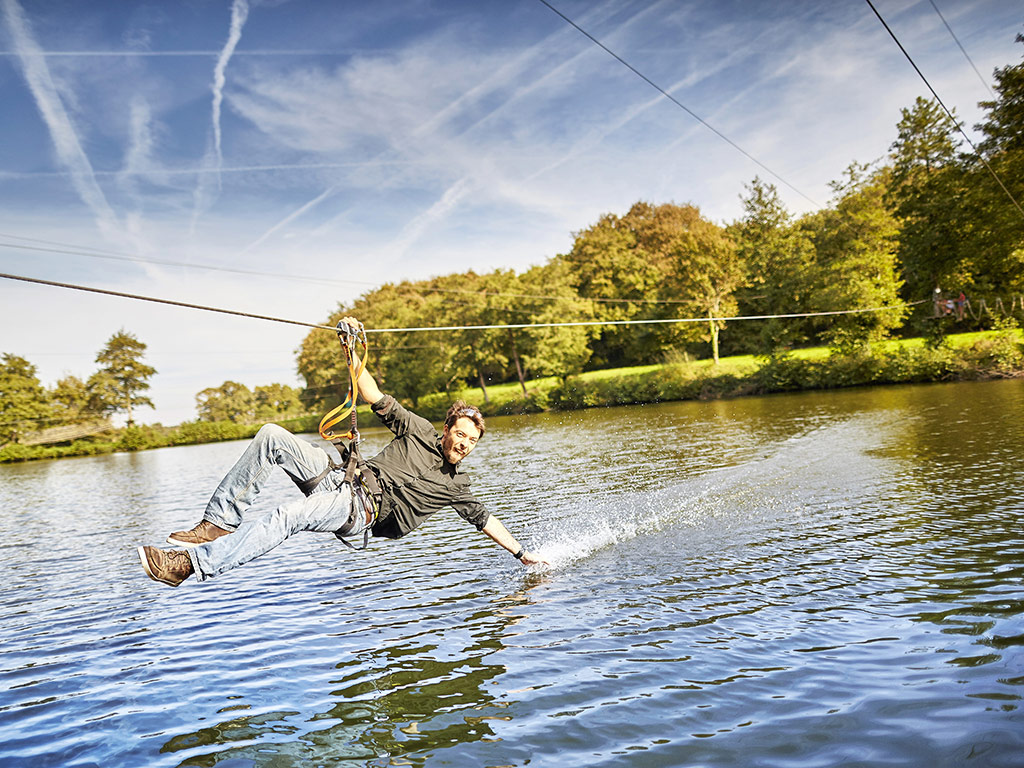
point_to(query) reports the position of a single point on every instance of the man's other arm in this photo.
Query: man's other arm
(501, 536)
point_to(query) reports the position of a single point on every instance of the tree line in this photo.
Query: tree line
(118, 386)
(927, 219)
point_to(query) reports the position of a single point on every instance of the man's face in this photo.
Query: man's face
(459, 439)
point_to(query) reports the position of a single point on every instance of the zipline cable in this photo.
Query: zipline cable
(510, 326)
(171, 302)
(675, 101)
(956, 123)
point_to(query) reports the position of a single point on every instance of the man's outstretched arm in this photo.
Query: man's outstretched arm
(501, 536)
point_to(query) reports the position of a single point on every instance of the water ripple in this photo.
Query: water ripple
(824, 579)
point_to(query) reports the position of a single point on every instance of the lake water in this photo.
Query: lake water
(819, 579)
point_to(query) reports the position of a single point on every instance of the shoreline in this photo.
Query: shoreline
(974, 357)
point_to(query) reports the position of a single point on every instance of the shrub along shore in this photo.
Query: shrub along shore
(964, 357)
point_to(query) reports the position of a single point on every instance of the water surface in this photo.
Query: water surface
(801, 580)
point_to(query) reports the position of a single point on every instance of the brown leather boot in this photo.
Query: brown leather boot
(170, 567)
(202, 533)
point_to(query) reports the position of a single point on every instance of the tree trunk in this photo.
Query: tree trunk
(515, 356)
(128, 403)
(483, 386)
(714, 336)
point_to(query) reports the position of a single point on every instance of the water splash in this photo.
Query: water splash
(742, 495)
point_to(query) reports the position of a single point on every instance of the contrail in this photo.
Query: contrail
(62, 132)
(239, 13)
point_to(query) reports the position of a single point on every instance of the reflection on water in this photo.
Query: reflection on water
(816, 579)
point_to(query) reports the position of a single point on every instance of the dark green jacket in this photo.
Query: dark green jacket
(415, 478)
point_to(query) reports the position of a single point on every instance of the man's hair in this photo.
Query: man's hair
(459, 409)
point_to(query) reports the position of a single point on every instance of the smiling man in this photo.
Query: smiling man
(416, 475)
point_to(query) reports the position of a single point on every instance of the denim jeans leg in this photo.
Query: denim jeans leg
(325, 511)
(272, 445)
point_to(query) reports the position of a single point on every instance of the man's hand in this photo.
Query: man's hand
(499, 533)
(531, 558)
(352, 323)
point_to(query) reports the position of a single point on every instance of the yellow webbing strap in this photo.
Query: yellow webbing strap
(347, 408)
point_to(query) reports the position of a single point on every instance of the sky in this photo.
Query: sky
(282, 157)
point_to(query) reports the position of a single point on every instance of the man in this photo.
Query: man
(418, 473)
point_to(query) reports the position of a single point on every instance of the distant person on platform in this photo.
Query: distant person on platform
(418, 474)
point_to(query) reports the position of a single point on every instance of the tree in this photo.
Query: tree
(927, 194)
(997, 236)
(408, 365)
(608, 265)
(231, 401)
(549, 297)
(856, 267)
(23, 400)
(70, 400)
(777, 259)
(654, 263)
(705, 268)
(277, 401)
(117, 386)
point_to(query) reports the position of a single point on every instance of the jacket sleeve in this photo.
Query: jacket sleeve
(471, 509)
(399, 419)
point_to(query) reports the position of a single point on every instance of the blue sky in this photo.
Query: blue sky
(361, 143)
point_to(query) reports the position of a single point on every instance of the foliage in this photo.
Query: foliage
(23, 400)
(778, 260)
(997, 238)
(855, 244)
(231, 401)
(118, 386)
(70, 401)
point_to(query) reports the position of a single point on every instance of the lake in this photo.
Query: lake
(817, 579)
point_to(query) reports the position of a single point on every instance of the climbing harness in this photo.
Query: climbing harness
(366, 493)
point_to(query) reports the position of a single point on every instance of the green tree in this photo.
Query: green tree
(609, 266)
(118, 386)
(927, 194)
(70, 399)
(705, 267)
(856, 267)
(996, 239)
(549, 297)
(777, 258)
(24, 404)
(654, 263)
(408, 365)
(231, 401)
(277, 401)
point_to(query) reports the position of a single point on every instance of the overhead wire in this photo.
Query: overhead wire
(956, 123)
(676, 101)
(962, 49)
(501, 326)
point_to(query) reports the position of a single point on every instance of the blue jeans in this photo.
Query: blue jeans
(326, 509)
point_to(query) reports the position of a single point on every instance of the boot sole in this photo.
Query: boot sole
(149, 571)
(186, 544)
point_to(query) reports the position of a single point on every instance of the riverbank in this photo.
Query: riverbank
(962, 357)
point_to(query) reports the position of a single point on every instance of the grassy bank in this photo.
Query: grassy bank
(964, 357)
(141, 438)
